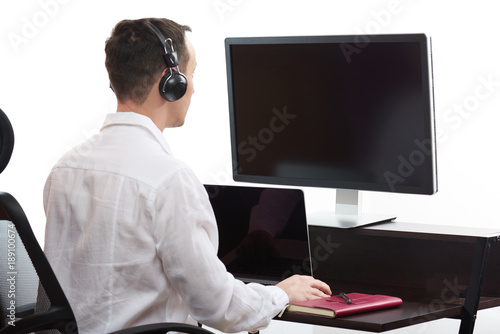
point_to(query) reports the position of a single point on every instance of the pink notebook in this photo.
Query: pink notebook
(337, 306)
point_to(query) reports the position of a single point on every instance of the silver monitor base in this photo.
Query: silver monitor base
(347, 213)
(331, 219)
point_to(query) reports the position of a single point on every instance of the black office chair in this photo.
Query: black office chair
(6, 140)
(31, 297)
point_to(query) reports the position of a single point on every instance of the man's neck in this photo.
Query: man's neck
(155, 113)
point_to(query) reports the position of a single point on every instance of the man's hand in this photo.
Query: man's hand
(300, 288)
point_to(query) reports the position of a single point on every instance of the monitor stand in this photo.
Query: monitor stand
(347, 213)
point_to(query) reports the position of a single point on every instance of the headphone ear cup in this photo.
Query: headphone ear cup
(173, 86)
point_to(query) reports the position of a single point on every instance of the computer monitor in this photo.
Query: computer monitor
(354, 113)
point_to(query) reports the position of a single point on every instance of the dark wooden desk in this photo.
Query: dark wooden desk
(438, 271)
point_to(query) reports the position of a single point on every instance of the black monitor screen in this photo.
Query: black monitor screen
(333, 111)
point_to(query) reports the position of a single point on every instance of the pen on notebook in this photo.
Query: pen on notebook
(343, 295)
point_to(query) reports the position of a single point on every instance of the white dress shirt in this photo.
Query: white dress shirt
(132, 238)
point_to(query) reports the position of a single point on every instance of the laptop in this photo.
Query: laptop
(263, 234)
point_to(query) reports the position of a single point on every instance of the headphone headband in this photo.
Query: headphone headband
(157, 32)
(170, 55)
(173, 85)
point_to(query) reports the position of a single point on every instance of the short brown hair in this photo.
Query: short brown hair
(134, 55)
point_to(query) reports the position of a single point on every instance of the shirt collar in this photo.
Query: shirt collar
(135, 119)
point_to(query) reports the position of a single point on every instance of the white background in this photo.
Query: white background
(54, 89)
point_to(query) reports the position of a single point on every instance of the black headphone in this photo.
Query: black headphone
(173, 84)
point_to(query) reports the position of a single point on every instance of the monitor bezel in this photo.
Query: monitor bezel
(359, 41)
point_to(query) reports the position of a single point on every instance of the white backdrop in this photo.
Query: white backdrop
(54, 88)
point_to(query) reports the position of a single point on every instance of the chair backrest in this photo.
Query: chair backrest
(48, 307)
(6, 140)
(18, 279)
(31, 298)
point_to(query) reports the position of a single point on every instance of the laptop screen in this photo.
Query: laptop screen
(263, 235)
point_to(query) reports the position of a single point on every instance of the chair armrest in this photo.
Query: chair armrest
(162, 328)
(26, 310)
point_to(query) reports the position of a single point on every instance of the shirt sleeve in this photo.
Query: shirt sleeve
(187, 239)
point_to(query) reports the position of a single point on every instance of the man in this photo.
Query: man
(130, 231)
